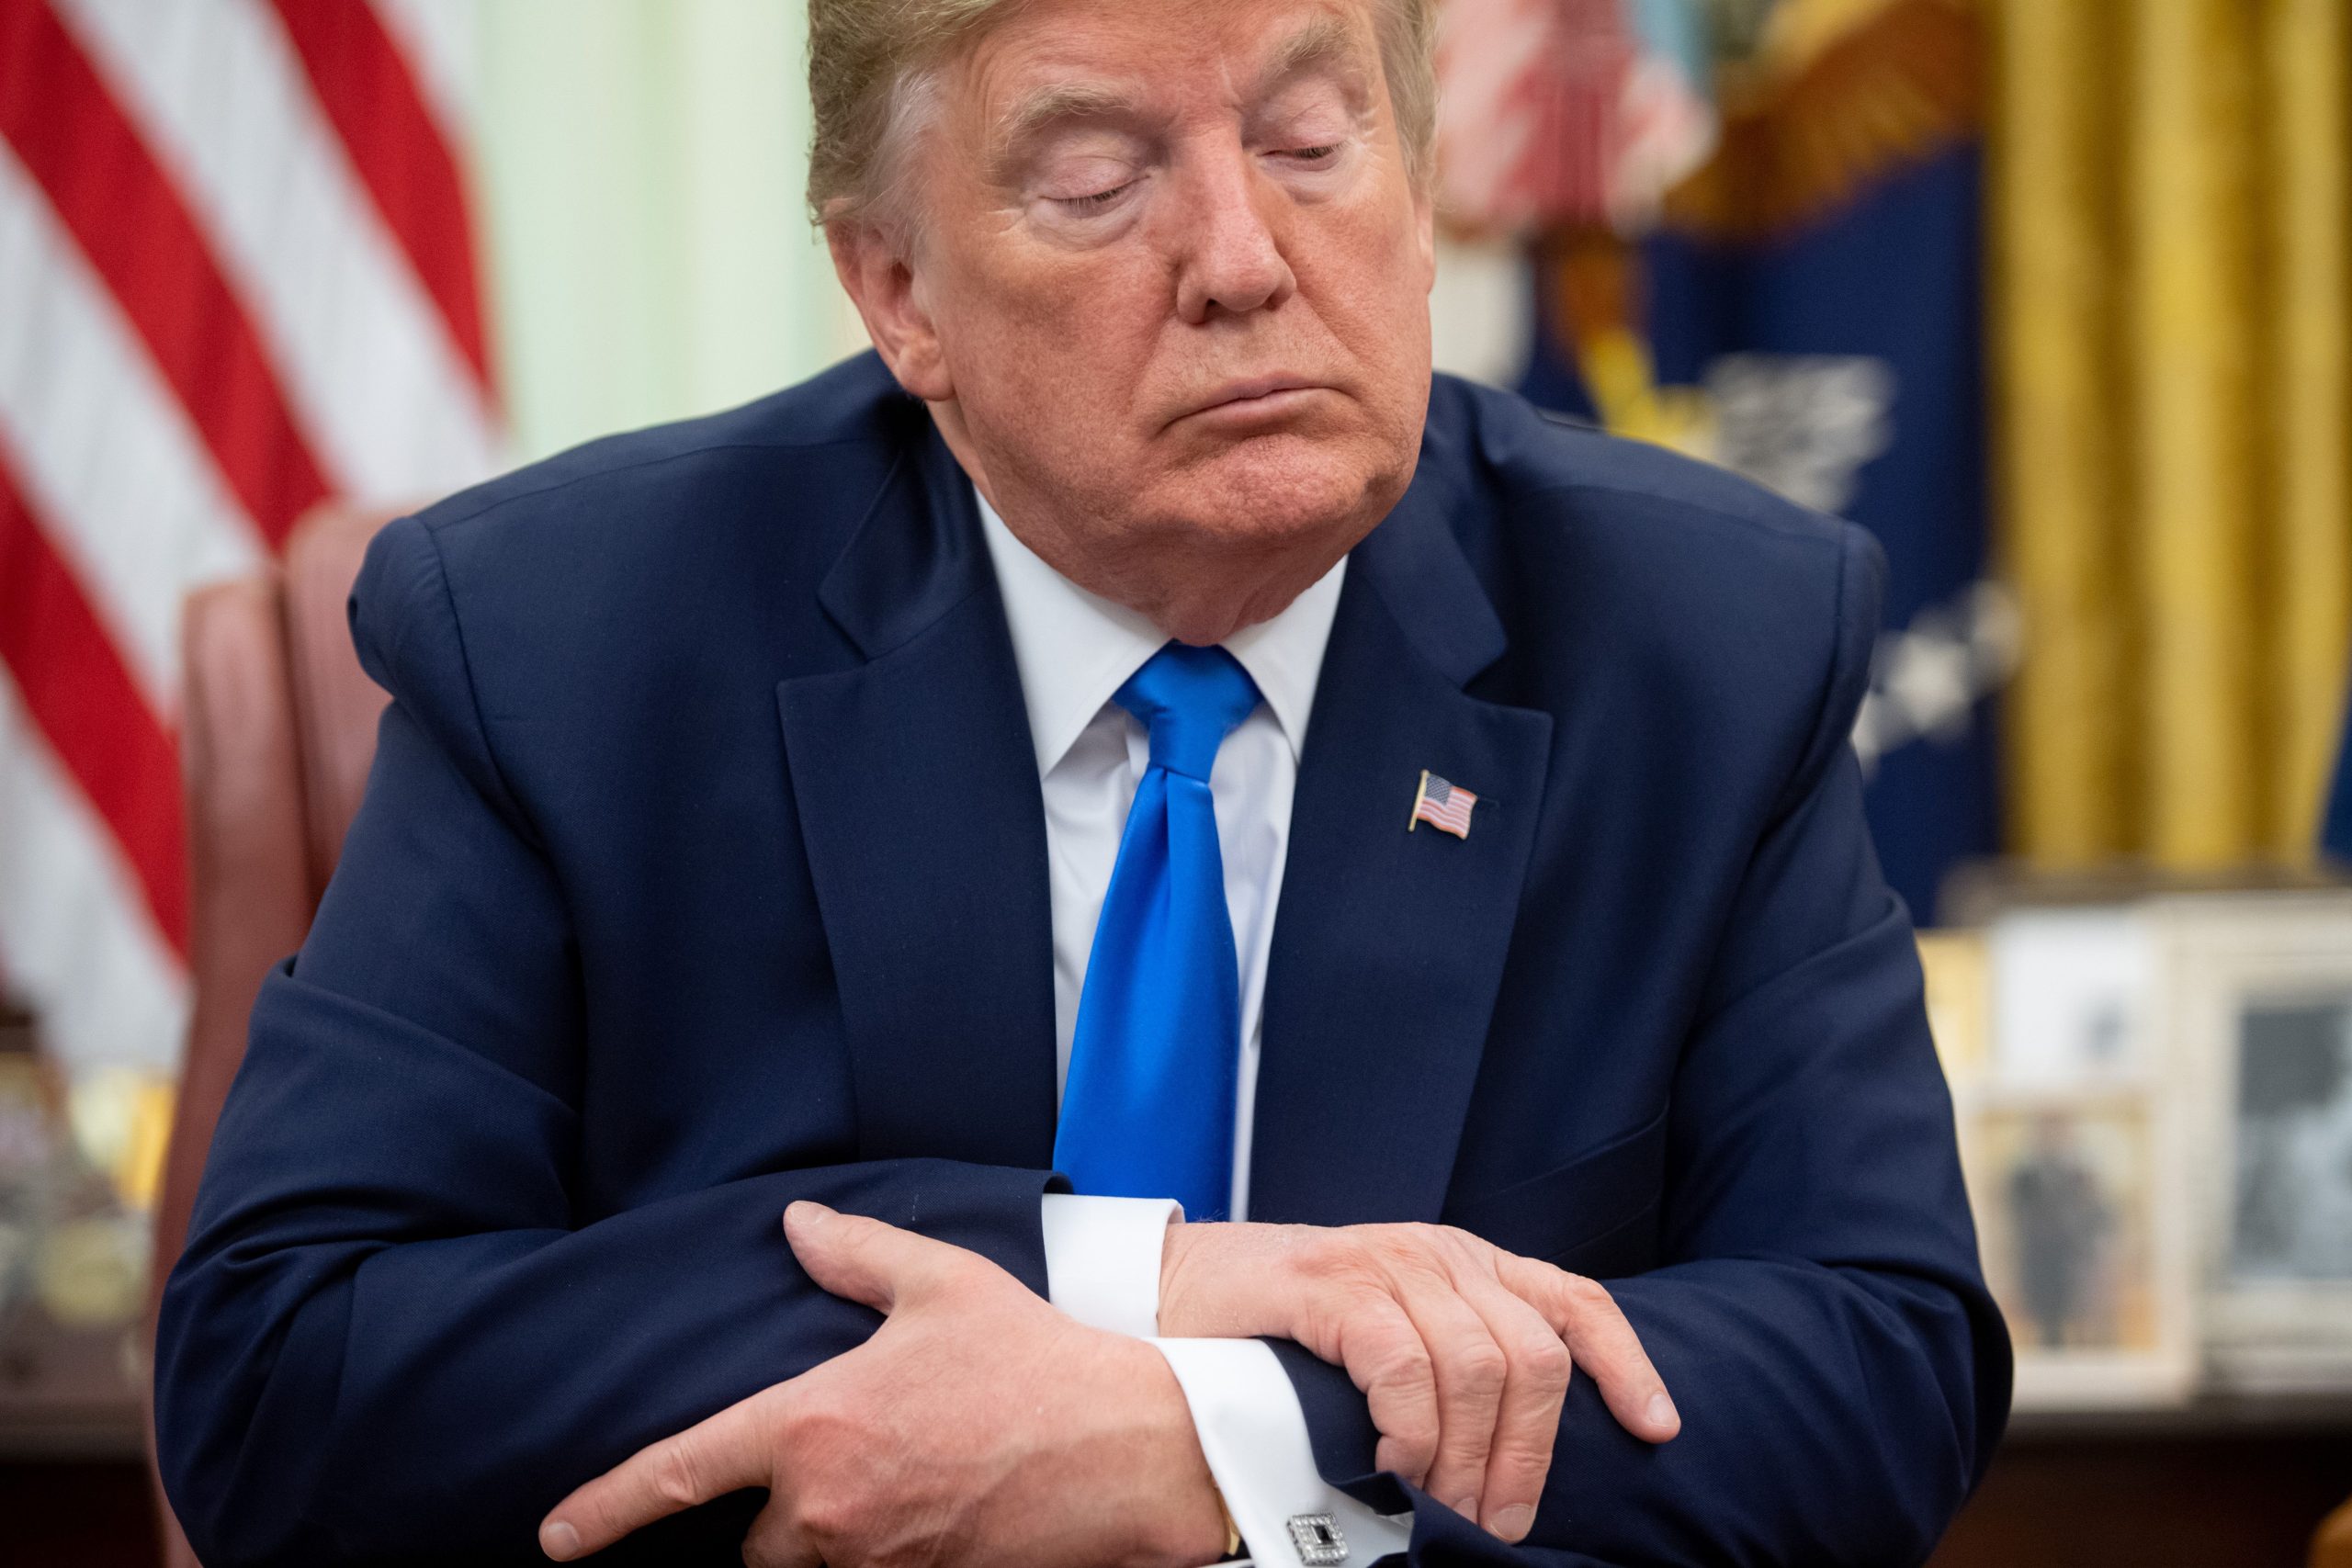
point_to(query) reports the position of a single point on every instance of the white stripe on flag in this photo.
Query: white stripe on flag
(80, 947)
(1489, 50)
(103, 447)
(439, 39)
(367, 363)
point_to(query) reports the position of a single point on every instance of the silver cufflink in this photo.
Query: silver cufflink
(1319, 1542)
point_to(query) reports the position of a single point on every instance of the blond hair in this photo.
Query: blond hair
(873, 75)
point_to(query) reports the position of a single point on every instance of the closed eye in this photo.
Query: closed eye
(1096, 201)
(1312, 155)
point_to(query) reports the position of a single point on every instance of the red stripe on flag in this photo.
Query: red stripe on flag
(84, 700)
(368, 92)
(128, 219)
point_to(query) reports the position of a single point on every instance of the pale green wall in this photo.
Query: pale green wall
(640, 165)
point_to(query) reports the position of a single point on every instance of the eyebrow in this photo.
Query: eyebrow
(1052, 105)
(1321, 43)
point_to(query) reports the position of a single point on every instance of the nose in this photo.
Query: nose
(1231, 253)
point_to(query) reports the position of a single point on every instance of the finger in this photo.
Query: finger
(865, 1260)
(1471, 1369)
(1383, 1355)
(723, 1454)
(776, 1541)
(1603, 1343)
(1527, 1422)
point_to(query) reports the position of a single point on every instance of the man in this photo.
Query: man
(1137, 736)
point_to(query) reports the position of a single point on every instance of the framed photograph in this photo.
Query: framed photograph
(2074, 994)
(2072, 1137)
(2261, 993)
(2083, 1231)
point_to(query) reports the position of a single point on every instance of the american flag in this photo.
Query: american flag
(237, 280)
(1442, 806)
(1561, 112)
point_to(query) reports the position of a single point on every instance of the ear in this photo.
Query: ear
(880, 281)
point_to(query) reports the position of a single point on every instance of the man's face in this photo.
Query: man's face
(1175, 281)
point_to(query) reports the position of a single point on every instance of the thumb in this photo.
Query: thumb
(861, 1259)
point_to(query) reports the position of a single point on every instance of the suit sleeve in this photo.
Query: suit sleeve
(1820, 1318)
(391, 1335)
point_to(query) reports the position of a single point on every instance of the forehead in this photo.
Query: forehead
(1077, 56)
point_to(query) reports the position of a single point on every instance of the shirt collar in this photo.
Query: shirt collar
(1075, 650)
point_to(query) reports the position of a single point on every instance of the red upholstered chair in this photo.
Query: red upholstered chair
(278, 727)
(2331, 1547)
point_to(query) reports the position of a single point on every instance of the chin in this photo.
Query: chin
(1274, 492)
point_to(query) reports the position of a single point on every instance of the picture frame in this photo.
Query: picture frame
(2259, 991)
(2082, 1229)
(2073, 996)
(2070, 1133)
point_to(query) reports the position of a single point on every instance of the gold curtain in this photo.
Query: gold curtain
(2171, 298)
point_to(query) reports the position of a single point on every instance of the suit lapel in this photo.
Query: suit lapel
(1389, 944)
(918, 804)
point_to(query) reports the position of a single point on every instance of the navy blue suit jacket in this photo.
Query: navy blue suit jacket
(703, 868)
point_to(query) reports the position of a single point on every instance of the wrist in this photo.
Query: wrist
(1174, 1249)
(1186, 1522)
(1229, 1279)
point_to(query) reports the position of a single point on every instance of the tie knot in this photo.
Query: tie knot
(1191, 699)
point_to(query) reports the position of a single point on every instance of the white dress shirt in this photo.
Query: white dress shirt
(1073, 651)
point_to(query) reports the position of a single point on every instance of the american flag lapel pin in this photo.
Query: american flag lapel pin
(1445, 806)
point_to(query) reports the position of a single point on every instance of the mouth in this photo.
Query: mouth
(1258, 398)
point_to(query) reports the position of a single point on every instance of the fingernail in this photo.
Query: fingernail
(559, 1541)
(801, 1212)
(1661, 1412)
(1468, 1509)
(1514, 1522)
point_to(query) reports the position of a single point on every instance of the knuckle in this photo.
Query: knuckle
(1458, 1239)
(816, 1424)
(677, 1476)
(1543, 1358)
(1404, 1363)
(1416, 1238)
(1399, 1353)
(1446, 1246)
(1406, 1247)
(1480, 1369)
(1587, 1295)
(827, 1514)
(1417, 1443)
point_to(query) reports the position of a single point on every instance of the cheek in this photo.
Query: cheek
(1068, 335)
(1382, 269)
(1365, 285)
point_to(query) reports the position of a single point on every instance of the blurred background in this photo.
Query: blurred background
(2054, 296)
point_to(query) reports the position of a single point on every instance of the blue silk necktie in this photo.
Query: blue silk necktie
(1148, 1109)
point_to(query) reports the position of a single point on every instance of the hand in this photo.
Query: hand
(978, 1427)
(1464, 1350)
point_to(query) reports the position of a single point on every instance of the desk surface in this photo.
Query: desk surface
(67, 1393)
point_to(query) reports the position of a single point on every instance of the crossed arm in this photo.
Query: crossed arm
(387, 1339)
(980, 1427)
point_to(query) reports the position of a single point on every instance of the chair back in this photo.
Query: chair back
(2331, 1547)
(278, 726)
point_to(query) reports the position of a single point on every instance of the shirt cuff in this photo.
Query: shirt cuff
(1254, 1435)
(1102, 1258)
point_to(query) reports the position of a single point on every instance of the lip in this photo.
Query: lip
(1257, 393)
